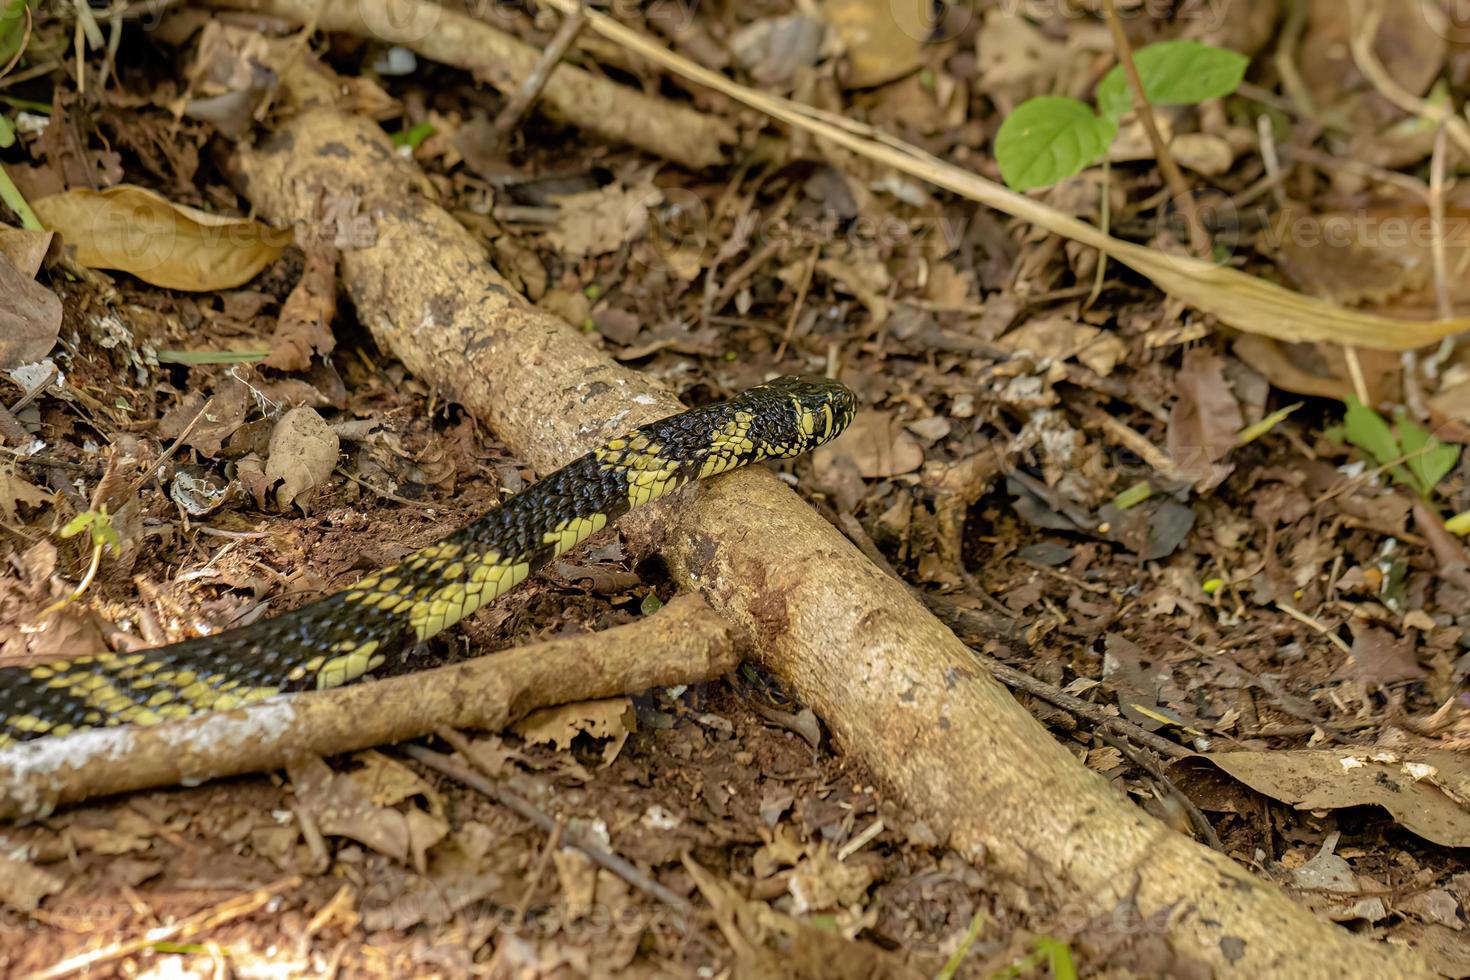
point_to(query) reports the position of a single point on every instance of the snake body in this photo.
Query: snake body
(347, 635)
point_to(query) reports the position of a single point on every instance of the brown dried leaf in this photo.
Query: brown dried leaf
(304, 327)
(1205, 420)
(1380, 657)
(1412, 789)
(602, 221)
(885, 39)
(23, 885)
(30, 317)
(388, 781)
(134, 230)
(25, 248)
(612, 718)
(1380, 257)
(877, 445)
(341, 808)
(15, 491)
(303, 454)
(218, 417)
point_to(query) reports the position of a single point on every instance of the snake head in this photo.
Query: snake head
(804, 413)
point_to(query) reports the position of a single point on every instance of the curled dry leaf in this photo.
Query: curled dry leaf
(1428, 794)
(134, 230)
(303, 454)
(1204, 421)
(602, 221)
(609, 719)
(30, 316)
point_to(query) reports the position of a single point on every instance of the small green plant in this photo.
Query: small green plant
(1056, 954)
(1051, 138)
(1408, 453)
(413, 138)
(98, 525)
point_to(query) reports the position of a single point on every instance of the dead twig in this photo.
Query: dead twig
(530, 88)
(624, 869)
(1199, 238)
(1202, 826)
(1018, 680)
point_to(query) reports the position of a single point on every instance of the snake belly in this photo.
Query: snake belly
(346, 635)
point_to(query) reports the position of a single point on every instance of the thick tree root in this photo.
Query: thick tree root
(899, 692)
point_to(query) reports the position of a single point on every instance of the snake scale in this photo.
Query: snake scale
(351, 633)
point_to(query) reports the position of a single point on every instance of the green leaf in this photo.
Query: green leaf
(1253, 432)
(213, 356)
(1370, 432)
(413, 138)
(79, 524)
(1133, 496)
(1049, 139)
(1174, 73)
(12, 28)
(1428, 459)
(7, 134)
(650, 604)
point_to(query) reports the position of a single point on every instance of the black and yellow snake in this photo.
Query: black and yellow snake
(386, 614)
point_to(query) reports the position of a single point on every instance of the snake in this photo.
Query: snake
(387, 614)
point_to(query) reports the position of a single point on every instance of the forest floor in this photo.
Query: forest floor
(1170, 546)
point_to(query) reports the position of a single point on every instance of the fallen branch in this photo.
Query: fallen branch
(615, 112)
(898, 691)
(681, 644)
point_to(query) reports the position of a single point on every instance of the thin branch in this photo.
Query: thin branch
(683, 643)
(1199, 238)
(624, 869)
(530, 88)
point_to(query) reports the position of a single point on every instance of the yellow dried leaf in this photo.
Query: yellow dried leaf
(134, 230)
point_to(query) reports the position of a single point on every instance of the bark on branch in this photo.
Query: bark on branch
(683, 643)
(571, 94)
(899, 692)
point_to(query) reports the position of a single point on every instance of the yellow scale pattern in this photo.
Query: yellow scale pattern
(90, 680)
(435, 587)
